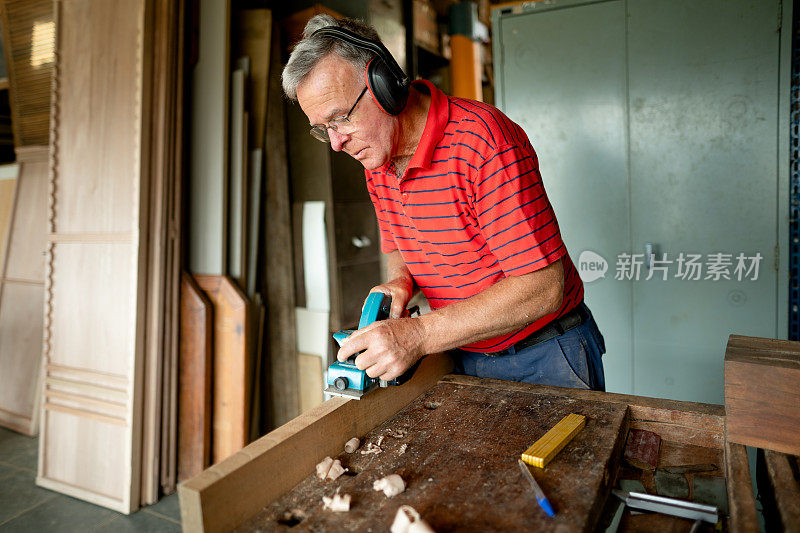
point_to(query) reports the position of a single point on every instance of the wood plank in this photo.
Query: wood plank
(278, 273)
(28, 229)
(194, 419)
(229, 493)
(208, 168)
(232, 367)
(762, 393)
(311, 371)
(8, 187)
(237, 212)
(783, 478)
(741, 501)
(158, 465)
(96, 291)
(255, 199)
(22, 296)
(460, 467)
(253, 34)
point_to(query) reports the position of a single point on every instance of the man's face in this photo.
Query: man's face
(328, 92)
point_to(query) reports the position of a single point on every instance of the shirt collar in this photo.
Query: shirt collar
(438, 115)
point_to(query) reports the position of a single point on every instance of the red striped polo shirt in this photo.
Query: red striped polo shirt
(471, 209)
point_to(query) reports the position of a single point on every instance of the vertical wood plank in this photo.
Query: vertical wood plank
(741, 501)
(232, 369)
(22, 295)
(278, 274)
(208, 195)
(95, 281)
(194, 419)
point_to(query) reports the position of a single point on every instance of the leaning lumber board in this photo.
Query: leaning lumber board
(253, 31)
(208, 165)
(227, 494)
(232, 378)
(8, 184)
(784, 491)
(194, 417)
(762, 393)
(278, 266)
(22, 295)
(95, 287)
(741, 502)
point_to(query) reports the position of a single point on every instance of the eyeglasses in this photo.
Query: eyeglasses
(338, 124)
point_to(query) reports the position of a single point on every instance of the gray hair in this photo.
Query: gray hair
(310, 50)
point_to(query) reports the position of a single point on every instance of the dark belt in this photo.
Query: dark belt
(551, 330)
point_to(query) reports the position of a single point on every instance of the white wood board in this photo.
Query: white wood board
(208, 166)
(22, 296)
(95, 265)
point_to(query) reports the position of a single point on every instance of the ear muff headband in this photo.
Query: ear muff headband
(386, 81)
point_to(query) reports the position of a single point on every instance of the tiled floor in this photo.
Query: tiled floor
(26, 507)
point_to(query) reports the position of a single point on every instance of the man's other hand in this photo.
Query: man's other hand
(401, 290)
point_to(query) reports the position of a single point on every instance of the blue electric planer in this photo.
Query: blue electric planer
(344, 378)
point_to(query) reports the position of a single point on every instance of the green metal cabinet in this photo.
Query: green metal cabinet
(657, 128)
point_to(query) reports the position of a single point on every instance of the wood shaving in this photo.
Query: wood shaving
(379, 441)
(391, 485)
(371, 447)
(339, 503)
(330, 469)
(352, 445)
(324, 467)
(336, 470)
(408, 520)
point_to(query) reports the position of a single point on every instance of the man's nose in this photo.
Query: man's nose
(337, 139)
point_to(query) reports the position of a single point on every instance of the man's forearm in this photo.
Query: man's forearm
(506, 306)
(396, 268)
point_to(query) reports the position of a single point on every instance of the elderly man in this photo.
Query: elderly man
(463, 217)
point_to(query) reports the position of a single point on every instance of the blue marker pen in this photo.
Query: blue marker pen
(537, 490)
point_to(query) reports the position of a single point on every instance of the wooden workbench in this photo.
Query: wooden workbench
(455, 441)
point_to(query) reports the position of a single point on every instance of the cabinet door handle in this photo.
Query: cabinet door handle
(361, 242)
(649, 251)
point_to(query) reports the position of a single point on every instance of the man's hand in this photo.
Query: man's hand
(391, 345)
(401, 290)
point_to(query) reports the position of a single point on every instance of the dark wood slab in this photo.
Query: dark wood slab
(762, 393)
(460, 466)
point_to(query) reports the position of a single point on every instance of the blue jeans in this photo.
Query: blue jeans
(573, 359)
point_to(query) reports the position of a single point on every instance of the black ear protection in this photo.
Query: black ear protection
(386, 81)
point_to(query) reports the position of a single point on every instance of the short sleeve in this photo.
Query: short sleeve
(514, 213)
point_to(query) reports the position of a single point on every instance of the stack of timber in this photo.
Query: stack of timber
(164, 253)
(440, 433)
(113, 252)
(230, 344)
(28, 43)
